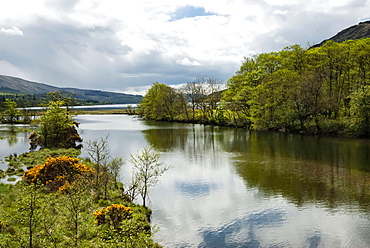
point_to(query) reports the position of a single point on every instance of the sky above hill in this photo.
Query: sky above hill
(125, 46)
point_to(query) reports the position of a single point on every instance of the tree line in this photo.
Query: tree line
(40, 99)
(322, 90)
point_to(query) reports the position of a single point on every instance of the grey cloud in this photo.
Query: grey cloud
(69, 56)
(64, 55)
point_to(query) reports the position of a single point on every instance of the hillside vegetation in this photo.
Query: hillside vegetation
(26, 91)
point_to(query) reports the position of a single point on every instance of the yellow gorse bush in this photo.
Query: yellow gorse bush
(56, 172)
(113, 215)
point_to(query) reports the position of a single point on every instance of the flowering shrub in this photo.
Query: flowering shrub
(113, 215)
(57, 172)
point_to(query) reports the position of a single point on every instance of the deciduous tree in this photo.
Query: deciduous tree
(57, 129)
(147, 170)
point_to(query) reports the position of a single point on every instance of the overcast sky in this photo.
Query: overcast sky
(125, 46)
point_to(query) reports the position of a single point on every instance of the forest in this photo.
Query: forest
(321, 90)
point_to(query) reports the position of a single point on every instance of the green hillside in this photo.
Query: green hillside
(18, 86)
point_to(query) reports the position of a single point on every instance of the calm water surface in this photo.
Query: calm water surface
(14, 143)
(233, 188)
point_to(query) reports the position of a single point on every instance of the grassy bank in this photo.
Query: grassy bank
(83, 212)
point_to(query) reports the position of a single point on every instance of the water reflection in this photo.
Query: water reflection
(312, 173)
(195, 188)
(12, 141)
(244, 232)
(304, 169)
(10, 133)
(346, 153)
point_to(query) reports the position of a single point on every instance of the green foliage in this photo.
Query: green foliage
(160, 103)
(197, 101)
(319, 90)
(30, 159)
(33, 215)
(56, 129)
(360, 110)
(11, 114)
(315, 90)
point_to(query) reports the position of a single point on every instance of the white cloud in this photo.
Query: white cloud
(280, 39)
(141, 90)
(14, 31)
(281, 2)
(281, 12)
(187, 62)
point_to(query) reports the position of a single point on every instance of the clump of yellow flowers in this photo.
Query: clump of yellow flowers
(113, 215)
(57, 172)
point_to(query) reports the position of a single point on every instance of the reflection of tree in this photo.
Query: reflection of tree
(180, 136)
(166, 139)
(197, 142)
(353, 154)
(12, 135)
(302, 169)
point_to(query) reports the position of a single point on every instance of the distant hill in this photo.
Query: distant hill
(13, 85)
(359, 31)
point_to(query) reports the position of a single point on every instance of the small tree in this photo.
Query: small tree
(147, 170)
(57, 129)
(11, 114)
(31, 211)
(77, 200)
(114, 168)
(129, 110)
(107, 171)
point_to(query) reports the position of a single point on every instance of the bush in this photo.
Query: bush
(113, 215)
(56, 172)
